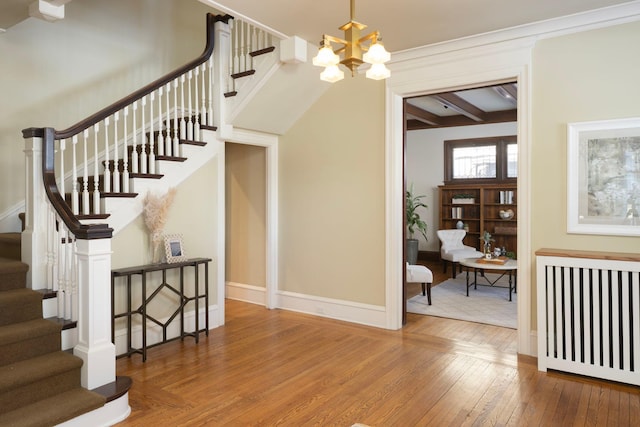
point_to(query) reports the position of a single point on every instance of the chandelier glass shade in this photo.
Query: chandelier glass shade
(351, 52)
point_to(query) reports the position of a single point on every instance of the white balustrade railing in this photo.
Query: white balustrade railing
(123, 141)
(247, 40)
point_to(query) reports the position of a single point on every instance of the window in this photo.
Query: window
(481, 160)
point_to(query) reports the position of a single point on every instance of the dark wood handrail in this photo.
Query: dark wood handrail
(50, 135)
(128, 100)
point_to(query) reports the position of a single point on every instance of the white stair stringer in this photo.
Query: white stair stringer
(122, 211)
(247, 87)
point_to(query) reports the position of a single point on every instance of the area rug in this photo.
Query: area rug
(488, 305)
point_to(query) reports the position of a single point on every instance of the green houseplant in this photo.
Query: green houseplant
(414, 223)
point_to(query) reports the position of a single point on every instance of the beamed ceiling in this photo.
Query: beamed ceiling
(490, 104)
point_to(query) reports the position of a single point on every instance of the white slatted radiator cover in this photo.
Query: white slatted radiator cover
(589, 314)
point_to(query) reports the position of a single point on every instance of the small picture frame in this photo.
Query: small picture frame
(174, 248)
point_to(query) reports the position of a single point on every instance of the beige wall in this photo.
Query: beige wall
(580, 77)
(55, 74)
(194, 215)
(245, 214)
(332, 196)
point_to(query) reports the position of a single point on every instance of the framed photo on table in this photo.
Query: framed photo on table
(174, 248)
(603, 177)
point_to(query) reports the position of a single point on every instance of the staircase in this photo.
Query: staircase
(39, 383)
(95, 174)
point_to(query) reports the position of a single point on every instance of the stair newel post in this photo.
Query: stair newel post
(176, 120)
(34, 236)
(152, 155)
(221, 56)
(125, 154)
(190, 109)
(85, 174)
(94, 316)
(143, 137)
(134, 143)
(116, 171)
(75, 196)
(96, 171)
(107, 170)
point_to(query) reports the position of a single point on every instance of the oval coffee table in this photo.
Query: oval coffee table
(505, 266)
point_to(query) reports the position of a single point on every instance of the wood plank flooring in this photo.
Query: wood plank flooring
(274, 367)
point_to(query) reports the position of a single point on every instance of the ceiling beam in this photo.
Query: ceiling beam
(460, 120)
(453, 101)
(413, 112)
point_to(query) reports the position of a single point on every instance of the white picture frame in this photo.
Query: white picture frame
(174, 248)
(603, 177)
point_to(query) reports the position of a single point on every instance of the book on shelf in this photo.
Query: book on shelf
(456, 213)
(506, 197)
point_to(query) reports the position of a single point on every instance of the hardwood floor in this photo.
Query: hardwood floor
(274, 367)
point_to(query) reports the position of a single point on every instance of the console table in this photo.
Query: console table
(143, 271)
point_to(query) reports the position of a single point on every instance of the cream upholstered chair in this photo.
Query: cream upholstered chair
(420, 274)
(453, 250)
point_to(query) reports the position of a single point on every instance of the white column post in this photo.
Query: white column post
(34, 236)
(221, 71)
(94, 317)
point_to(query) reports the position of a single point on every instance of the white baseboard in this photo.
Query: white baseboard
(246, 293)
(154, 332)
(348, 311)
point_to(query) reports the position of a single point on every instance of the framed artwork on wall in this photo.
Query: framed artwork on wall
(174, 248)
(603, 177)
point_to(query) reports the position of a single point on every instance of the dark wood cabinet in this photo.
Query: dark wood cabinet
(481, 207)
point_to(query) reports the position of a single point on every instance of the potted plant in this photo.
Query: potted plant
(414, 223)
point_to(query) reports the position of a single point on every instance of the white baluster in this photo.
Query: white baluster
(72, 298)
(176, 140)
(134, 152)
(210, 98)
(116, 169)
(61, 183)
(167, 124)
(74, 177)
(85, 176)
(190, 109)
(152, 155)
(203, 109)
(183, 128)
(96, 172)
(196, 124)
(160, 139)
(125, 154)
(107, 172)
(143, 143)
(50, 228)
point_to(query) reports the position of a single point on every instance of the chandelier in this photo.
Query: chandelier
(352, 50)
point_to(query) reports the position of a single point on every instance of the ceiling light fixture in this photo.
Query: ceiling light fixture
(352, 51)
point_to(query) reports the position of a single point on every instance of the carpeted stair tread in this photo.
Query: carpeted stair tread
(10, 245)
(32, 370)
(13, 274)
(20, 305)
(30, 339)
(53, 410)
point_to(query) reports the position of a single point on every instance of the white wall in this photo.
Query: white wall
(425, 166)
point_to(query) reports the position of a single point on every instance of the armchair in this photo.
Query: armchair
(453, 250)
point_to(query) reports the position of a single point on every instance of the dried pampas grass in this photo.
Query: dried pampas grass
(154, 213)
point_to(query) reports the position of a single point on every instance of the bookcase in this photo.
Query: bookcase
(479, 208)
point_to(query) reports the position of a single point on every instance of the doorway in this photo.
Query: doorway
(464, 142)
